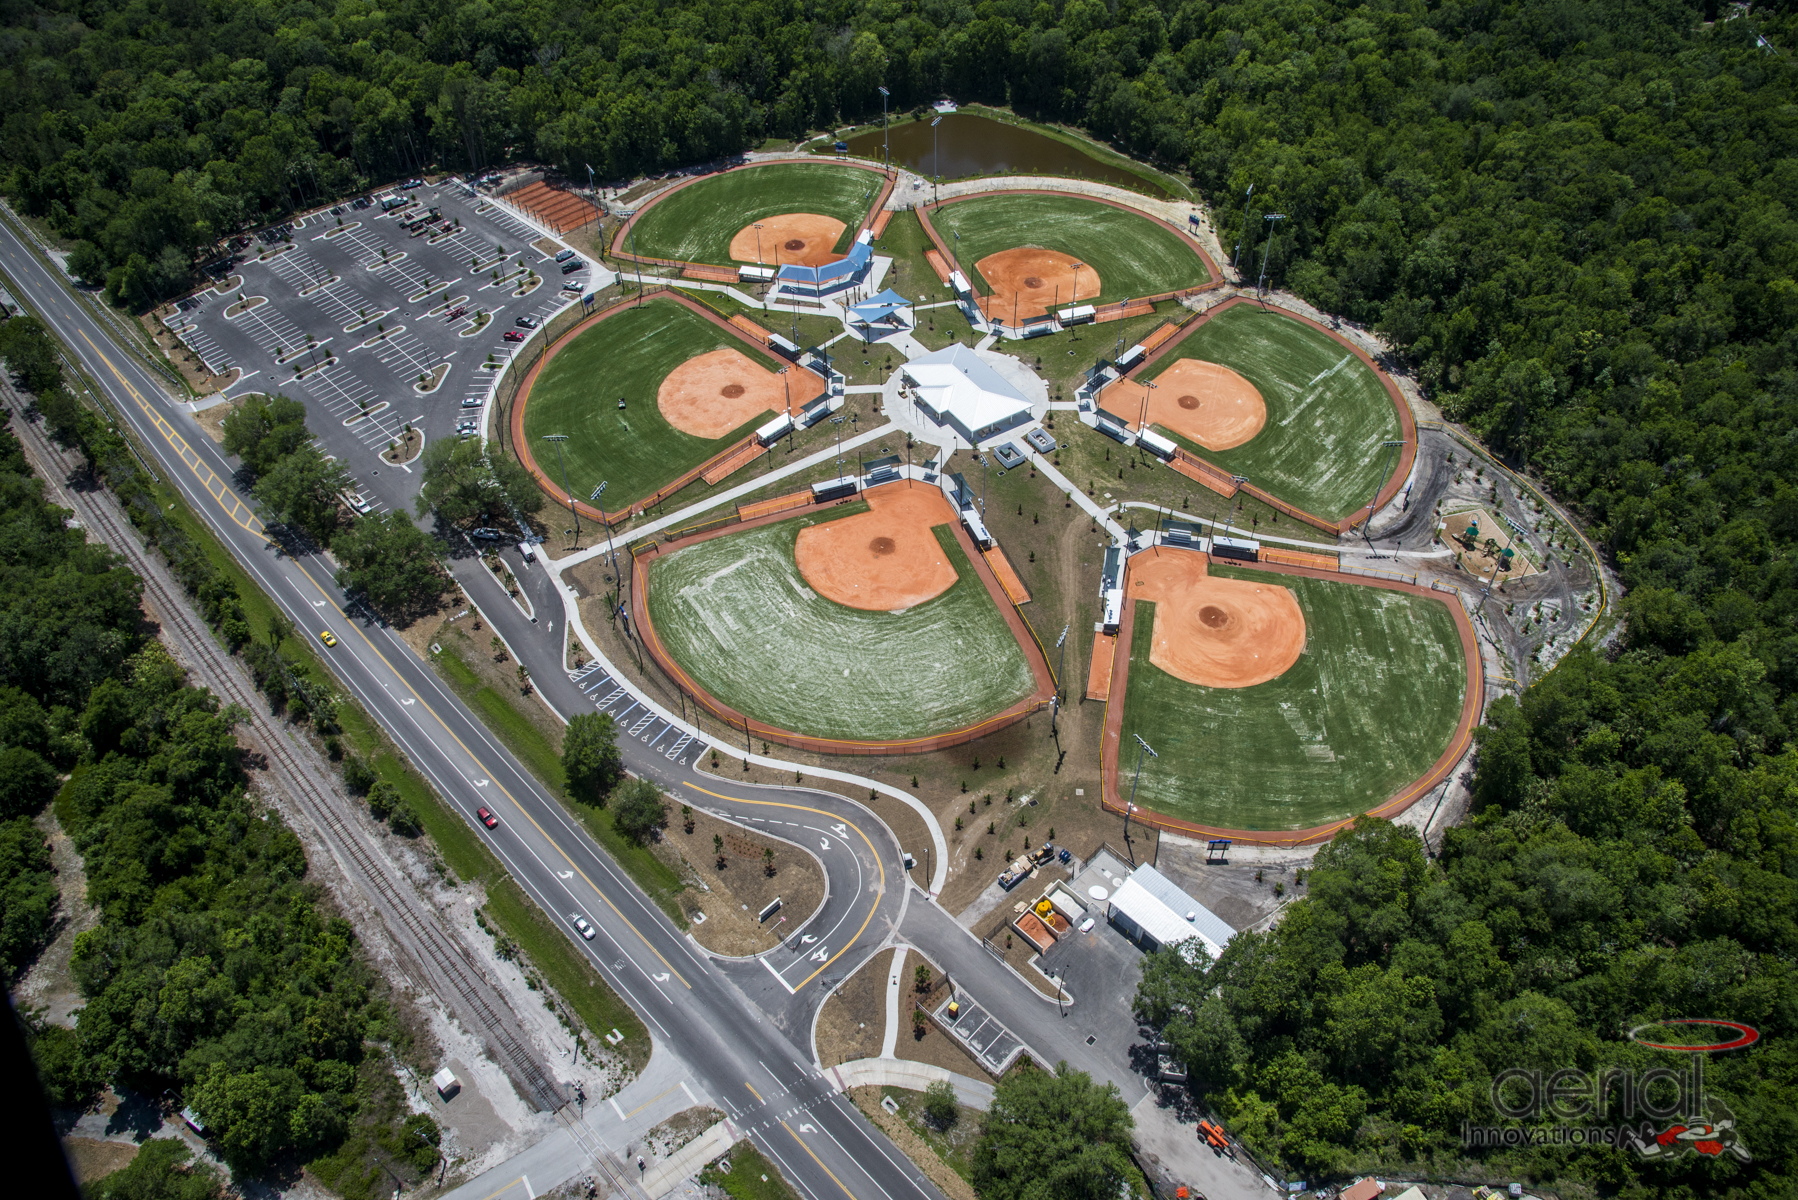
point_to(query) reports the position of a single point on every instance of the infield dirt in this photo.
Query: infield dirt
(1029, 280)
(1224, 633)
(883, 560)
(715, 393)
(1205, 402)
(808, 239)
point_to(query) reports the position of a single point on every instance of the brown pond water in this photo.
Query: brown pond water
(965, 145)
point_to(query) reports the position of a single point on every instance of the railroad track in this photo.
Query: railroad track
(443, 952)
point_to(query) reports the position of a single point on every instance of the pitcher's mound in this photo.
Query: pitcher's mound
(804, 238)
(884, 559)
(1039, 280)
(1205, 402)
(1227, 633)
(715, 393)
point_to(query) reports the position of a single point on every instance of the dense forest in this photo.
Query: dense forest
(214, 970)
(1572, 219)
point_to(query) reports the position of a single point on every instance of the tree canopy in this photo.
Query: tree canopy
(591, 760)
(391, 561)
(463, 483)
(1054, 1136)
(265, 429)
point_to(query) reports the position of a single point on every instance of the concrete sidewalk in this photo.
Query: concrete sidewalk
(913, 1076)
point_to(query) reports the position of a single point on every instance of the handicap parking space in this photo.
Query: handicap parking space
(636, 720)
(993, 1044)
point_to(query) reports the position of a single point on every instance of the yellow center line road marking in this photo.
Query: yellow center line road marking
(819, 1161)
(507, 1188)
(426, 705)
(858, 829)
(633, 1112)
(239, 513)
(753, 1092)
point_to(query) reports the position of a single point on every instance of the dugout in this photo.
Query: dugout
(755, 274)
(774, 430)
(1155, 444)
(970, 519)
(1114, 428)
(1131, 357)
(833, 489)
(1082, 315)
(1243, 549)
(783, 347)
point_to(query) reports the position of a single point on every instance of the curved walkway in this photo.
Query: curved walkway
(652, 642)
(1472, 702)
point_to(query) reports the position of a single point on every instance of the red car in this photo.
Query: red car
(487, 818)
(454, 313)
(512, 335)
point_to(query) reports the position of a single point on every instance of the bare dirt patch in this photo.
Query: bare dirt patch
(922, 1154)
(804, 238)
(1469, 531)
(884, 559)
(853, 1021)
(680, 1129)
(1229, 633)
(732, 897)
(212, 420)
(714, 393)
(1204, 401)
(93, 1158)
(1031, 280)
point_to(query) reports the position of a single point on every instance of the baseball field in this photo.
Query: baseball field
(1121, 253)
(1326, 411)
(737, 615)
(1365, 708)
(633, 355)
(698, 222)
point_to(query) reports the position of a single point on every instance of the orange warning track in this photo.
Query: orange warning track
(1205, 402)
(1098, 674)
(1030, 280)
(711, 394)
(1224, 633)
(1471, 704)
(882, 560)
(808, 239)
(1007, 575)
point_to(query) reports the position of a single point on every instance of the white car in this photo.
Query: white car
(357, 501)
(574, 287)
(581, 926)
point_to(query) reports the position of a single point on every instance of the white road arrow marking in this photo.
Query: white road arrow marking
(662, 978)
(807, 1129)
(807, 940)
(842, 830)
(564, 874)
(408, 700)
(823, 952)
(480, 783)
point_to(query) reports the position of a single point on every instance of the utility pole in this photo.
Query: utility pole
(936, 169)
(838, 422)
(558, 439)
(611, 550)
(1061, 647)
(1272, 232)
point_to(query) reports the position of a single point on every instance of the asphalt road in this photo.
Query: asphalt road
(752, 1066)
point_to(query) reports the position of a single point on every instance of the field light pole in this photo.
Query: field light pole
(885, 149)
(983, 485)
(1074, 297)
(639, 262)
(1237, 257)
(1148, 386)
(1061, 647)
(838, 422)
(1130, 807)
(610, 549)
(1272, 232)
(558, 439)
(593, 199)
(789, 386)
(936, 163)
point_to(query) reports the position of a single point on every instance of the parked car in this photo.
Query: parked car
(487, 818)
(453, 313)
(357, 501)
(573, 265)
(574, 286)
(512, 335)
(471, 402)
(581, 926)
(526, 322)
(564, 255)
(487, 535)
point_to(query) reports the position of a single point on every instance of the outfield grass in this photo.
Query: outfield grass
(696, 223)
(634, 449)
(1366, 709)
(1327, 412)
(1133, 255)
(736, 613)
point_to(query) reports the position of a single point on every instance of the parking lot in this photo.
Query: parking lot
(367, 301)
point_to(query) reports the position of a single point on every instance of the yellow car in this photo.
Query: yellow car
(327, 637)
